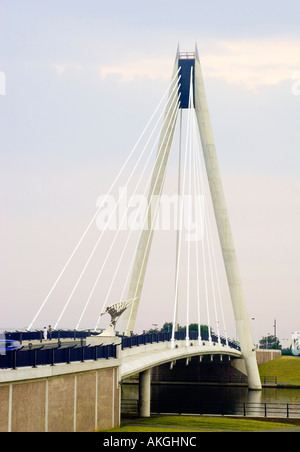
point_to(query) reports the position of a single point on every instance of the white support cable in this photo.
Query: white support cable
(157, 204)
(178, 257)
(209, 231)
(179, 242)
(125, 285)
(148, 208)
(219, 292)
(212, 282)
(210, 238)
(188, 254)
(179, 195)
(217, 282)
(202, 216)
(123, 252)
(197, 238)
(211, 252)
(190, 136)
(216, 271)
(113, 242)
(101, 235)
(207, 225)
(100, 207)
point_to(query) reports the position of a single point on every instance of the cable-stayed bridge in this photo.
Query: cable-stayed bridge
(126, 220)
(143, 176)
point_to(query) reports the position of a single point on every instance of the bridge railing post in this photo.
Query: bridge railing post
(34, 352)
(14, 364)
(95, 352)
(68, 355)
(52, 357)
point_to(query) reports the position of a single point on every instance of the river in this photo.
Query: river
(199, 399)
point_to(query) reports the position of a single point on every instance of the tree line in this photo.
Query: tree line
(168, 327)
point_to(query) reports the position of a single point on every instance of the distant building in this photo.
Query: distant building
(296, 343)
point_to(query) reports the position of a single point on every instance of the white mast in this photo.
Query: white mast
(224, 230)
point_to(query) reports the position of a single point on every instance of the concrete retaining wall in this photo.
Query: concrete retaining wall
(71, 402)
(264, 356)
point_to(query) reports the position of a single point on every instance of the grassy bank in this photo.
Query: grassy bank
(285, 368)
(198, 424)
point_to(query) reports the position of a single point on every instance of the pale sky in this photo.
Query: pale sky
(79, 81)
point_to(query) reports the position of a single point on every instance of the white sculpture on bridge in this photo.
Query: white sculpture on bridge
(115, 311)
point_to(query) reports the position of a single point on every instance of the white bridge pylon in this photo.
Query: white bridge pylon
(194, 98)
(185, 92)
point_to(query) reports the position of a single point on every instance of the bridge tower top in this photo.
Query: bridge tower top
(186, 63)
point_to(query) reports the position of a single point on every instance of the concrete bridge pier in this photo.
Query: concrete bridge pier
(144, 393)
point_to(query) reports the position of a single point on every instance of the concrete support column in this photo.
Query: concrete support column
(224, 230)
(145, 393)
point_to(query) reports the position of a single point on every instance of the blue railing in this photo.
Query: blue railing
(37, 335)
(131, 341)
(41, 356)
(143, 339)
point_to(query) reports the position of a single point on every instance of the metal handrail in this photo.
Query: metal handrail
(150, 338)
(35, 357)
(245, 409)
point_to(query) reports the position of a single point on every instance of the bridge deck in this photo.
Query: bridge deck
(138, 359)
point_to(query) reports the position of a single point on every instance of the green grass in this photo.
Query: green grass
(285, 368)
(197, 423)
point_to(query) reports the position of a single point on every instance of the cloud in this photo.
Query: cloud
(254, 63)
(152, 68)
(249, 63)
(61, 68)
